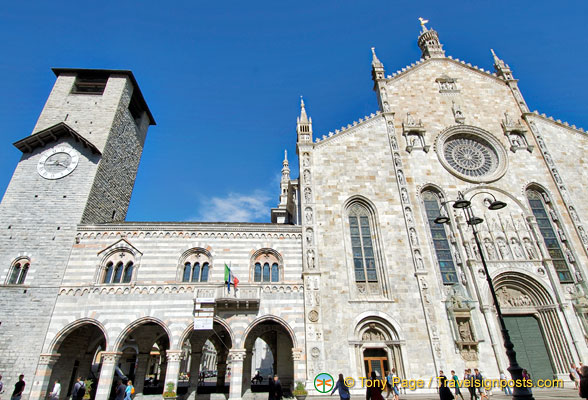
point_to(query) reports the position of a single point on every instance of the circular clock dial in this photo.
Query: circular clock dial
(57, 162)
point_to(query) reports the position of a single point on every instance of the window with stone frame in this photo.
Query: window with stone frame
(267, 266)
(195, 267)
(18, 271)
(90, 82)
(365, 257)
(547, 221)
(439, 237)
(118, 268)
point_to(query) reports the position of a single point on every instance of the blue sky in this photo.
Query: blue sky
(223, 79)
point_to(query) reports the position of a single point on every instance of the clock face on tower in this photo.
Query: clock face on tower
(58, 162)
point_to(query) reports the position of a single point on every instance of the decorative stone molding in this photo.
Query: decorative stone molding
(447, 84)
(49, 359)
(515, 132)
(174, 355)
(414, 134)
(297, 354)
(237, 355)
(110, 357)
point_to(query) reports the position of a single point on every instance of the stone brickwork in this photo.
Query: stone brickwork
(39, 217)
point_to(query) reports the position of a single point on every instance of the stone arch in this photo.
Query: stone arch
(522, 295)
(117, 345)
(377, 344)
(266, 318)
(63, 332)
(190, 328)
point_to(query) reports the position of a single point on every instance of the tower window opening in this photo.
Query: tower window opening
(90, 83)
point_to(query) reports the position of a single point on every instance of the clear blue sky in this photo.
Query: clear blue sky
(223, 79)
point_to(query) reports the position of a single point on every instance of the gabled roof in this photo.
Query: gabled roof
(58, 71)
(51, 134)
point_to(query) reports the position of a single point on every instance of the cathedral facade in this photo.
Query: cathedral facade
(354, 274)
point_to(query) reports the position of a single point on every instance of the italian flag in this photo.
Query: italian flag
(230, 278)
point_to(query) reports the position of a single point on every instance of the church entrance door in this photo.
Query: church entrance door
(529, 344)
(376, 360)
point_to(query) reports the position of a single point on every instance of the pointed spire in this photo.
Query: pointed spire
(429, 42)
(285, 168)
(375, 61)
(502, 69)
(303, 117)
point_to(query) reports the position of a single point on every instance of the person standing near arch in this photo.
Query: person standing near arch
(18, 388)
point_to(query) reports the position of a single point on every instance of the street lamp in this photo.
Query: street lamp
(519, 391)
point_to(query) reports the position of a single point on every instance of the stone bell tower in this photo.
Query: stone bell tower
(78, 166)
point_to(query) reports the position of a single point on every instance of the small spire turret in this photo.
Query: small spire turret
(377, 67)
(285, 168)
(502, 69)
(303, 124)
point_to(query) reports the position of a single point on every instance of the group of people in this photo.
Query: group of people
(579, 375)
(275, 388)
(374, 387)
(474, 385)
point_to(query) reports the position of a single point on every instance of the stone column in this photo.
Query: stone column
(246, 384)
(299, 366)
(221, 369)
(140, 372)
(195, 359)
(173, 368)
(42, 376)
(236, 357)
(109, 362)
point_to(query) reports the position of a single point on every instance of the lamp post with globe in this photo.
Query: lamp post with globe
(520, 391)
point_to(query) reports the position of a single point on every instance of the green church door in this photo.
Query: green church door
(529, 344)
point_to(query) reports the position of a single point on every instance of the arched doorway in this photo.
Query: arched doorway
(377, 346)
(268, 348)
(205, 361)
(144, 357)
(532, 320)
(79, 348)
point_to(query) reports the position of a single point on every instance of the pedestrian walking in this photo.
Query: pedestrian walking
(527, 378)
(504, 383)
(129, 390)
(444, 391)
(456, 383)
(79, 389)
(278, 394)
(468, 379)
(1, 387)
(395, 385)
(54, 395)
(388, 383)
(271, 393)
(119, 393)
(583, 386)
(18, 388)
(480, 384)
(374, 388)
(342, 388)
(574, 376)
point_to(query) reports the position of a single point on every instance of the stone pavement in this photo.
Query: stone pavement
(538, 394)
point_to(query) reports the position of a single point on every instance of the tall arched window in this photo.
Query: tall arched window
(118, 271)
(275, 273)
(128, 275)
(187, 272)
(541, 211)
(204, 273)
(266, 266)
(19, 271)
(364, 262)
(439, 236)
(195, 266)
(108, 272)
(257, 273)
(266, 272)
(195, 272)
